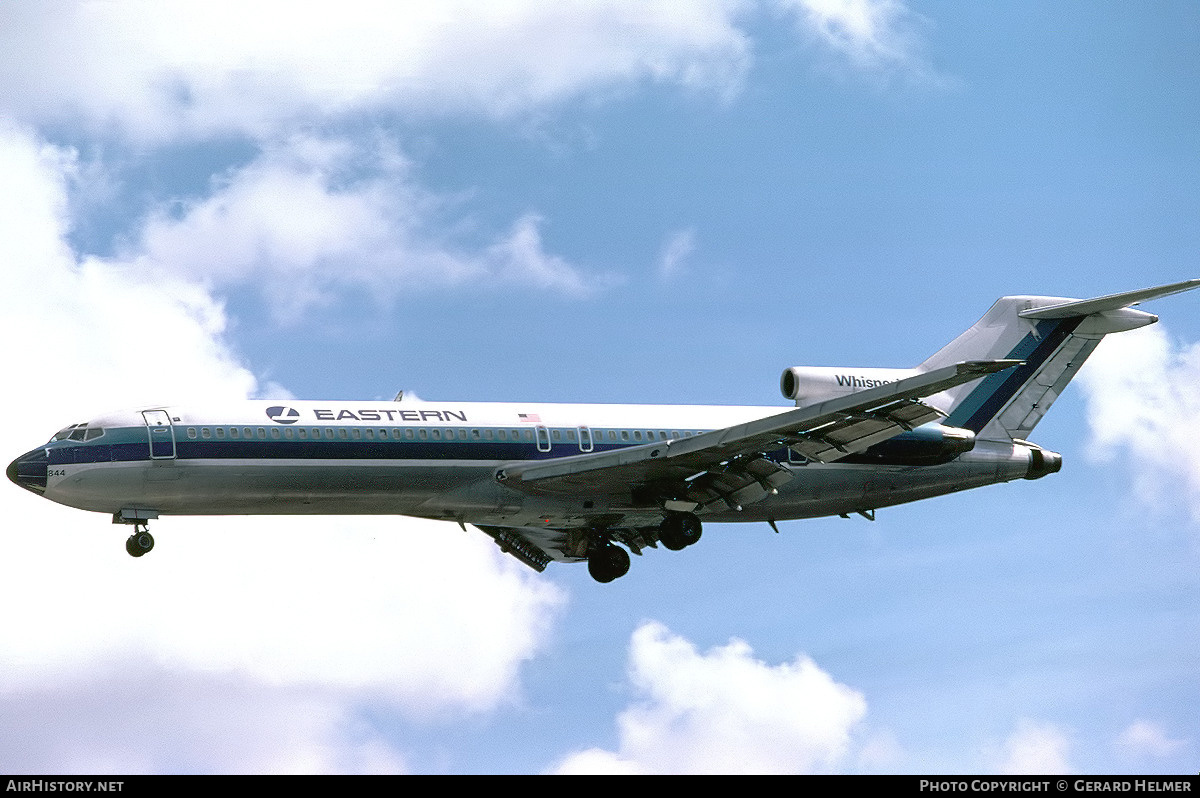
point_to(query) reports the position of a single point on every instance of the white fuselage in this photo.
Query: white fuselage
(439, 460)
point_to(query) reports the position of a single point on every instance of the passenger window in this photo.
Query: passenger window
(192, 433)
(624, 434)
(557, 435)
(247, 433)
(370, 434)
(357, 433)
(220, 432)
(275, 433)
(342, 433)
(424, 434)
(205, 432)
(233, 432)
(637, 434)
(289, 433)
(262, 433)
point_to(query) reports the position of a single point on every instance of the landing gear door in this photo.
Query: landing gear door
(162, 434)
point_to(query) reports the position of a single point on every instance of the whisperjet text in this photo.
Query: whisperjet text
(851, 381)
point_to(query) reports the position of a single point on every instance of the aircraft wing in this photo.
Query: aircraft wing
(727, 465)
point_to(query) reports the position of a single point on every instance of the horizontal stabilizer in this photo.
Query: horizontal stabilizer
(1086, 307)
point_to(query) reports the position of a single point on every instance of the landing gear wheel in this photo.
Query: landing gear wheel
(679, 530)
(139, 543)
(607, 562)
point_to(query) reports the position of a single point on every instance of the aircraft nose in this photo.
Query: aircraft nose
(29, 470)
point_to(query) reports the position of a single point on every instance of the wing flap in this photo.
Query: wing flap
(536, 551)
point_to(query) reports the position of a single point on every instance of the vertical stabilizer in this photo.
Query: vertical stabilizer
(1053, 336)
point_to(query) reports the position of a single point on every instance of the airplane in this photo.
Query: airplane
(579, 482)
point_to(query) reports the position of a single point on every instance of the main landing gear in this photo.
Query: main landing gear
(140, 542)
(608, 561)
(679, 530)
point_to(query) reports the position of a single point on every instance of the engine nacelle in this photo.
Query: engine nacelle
(930, 444)
(808, 384)
(1042, 462)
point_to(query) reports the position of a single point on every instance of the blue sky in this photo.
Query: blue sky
(599, 202)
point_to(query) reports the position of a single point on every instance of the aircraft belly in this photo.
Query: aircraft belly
(181, 487)
(823, 490)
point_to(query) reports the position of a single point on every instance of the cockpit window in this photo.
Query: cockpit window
(77, 432)
(65, 433)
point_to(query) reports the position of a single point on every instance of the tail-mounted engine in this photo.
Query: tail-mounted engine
(930, 444)
(808, 384)
(1042, 461)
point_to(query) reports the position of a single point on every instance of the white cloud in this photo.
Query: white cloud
(1143, 402)
(320, 614)
(314, 217)
(724, 711)
(139, 717)
(1149, 740)
(158, 69)
(1035, 748)
(678, 247)
(874, 36)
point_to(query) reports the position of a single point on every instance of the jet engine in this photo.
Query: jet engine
(808, 384)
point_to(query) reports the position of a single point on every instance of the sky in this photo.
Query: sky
(599, 202)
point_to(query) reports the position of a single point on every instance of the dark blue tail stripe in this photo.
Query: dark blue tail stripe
(991, 395)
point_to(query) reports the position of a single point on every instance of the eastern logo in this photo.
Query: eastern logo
(283, 415)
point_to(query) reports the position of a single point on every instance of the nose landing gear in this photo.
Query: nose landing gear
(140, 542)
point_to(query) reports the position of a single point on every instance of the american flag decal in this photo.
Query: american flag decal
(530, 417)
